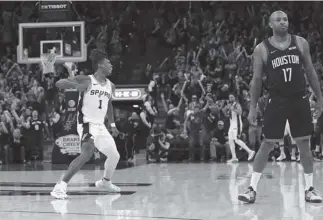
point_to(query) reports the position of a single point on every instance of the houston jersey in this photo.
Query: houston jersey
(93, 104)
(284, 68)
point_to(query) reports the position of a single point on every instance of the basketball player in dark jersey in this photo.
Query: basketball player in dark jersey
(282, 57)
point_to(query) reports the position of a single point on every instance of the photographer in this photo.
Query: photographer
(157, 146)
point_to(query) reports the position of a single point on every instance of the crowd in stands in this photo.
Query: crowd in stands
(192, 55)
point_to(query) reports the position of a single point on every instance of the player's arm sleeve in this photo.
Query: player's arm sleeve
(256, 82)
(310, 71)
(77, 82)
(110, 113)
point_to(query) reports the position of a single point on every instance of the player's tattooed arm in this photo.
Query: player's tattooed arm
(256, 82)
(80, 82)
(310, 70)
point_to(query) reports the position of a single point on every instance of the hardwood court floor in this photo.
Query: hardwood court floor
(201, 191)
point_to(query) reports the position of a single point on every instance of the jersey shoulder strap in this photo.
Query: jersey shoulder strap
(92, 79)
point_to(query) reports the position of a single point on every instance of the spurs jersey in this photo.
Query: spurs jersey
(93, 104)
(284, 68)
(235, 119)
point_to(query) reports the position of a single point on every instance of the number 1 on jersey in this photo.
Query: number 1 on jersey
(287, 74)
(100, 105)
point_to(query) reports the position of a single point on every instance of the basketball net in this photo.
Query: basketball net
(48, 60)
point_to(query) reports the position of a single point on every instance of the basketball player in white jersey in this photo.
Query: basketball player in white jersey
(94, 103)
(282, 155)
(235, 130)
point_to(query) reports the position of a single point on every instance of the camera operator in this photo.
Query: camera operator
(157, 146)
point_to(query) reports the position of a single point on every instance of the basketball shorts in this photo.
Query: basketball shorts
(298, 113)
(98, 132)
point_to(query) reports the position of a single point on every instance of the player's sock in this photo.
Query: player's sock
(308, 180)
(317, 148)
(64, 184)
(255, 177)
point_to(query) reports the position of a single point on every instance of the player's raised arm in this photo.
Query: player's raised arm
(81, 83)
(310, 71)
(256, 82)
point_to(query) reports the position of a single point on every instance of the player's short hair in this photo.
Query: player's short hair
(97, 56)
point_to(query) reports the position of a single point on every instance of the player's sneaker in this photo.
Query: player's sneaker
(281, 157)
(59, 191)
(233, 160)
(251, 155)
(311, 195)
(104, 184)
(317, 157)
(249, 196)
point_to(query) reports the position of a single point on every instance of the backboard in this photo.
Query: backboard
(66, 38)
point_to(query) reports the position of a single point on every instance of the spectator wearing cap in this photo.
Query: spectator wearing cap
(219, 146)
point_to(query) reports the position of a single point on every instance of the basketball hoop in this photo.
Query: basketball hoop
(48, 60)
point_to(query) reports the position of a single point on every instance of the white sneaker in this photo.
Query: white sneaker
(251, 155)
(281, 157)
(59, 191)
(107, 185)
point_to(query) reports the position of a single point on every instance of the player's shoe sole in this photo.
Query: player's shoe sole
(53, 194)
(244, 199)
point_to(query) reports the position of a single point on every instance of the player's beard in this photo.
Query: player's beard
(281, 32)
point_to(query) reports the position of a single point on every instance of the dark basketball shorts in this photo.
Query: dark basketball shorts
(298, 113)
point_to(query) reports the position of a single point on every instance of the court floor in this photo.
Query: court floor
(199, 191)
